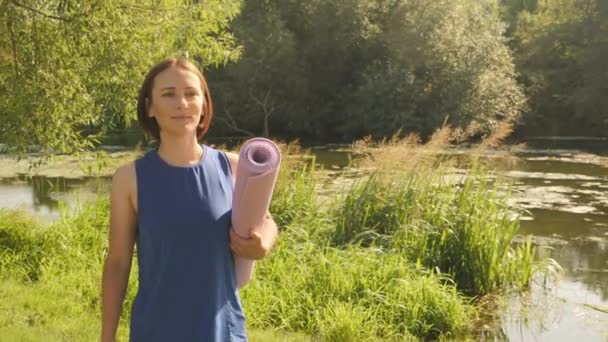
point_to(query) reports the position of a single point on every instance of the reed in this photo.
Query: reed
(453, 223)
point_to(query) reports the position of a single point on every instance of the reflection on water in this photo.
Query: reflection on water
(566, 195)
(41, 195)
(596, 145)
(557, 315)
(331, 157)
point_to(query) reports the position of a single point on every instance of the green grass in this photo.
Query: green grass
(351, 294)
(295, 194)
(320, 292)
(395, 258)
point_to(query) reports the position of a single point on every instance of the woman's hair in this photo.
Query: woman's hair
(144, 100)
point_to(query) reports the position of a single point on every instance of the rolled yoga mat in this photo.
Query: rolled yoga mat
(256, 175)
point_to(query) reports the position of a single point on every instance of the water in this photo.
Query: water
(565, 192)
(42, 195)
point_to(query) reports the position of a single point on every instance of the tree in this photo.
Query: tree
(259, 92)
(452, 61)
(561, 51)
(337, 70)
(70, 69)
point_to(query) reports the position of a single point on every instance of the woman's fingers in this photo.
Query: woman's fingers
(251, 248)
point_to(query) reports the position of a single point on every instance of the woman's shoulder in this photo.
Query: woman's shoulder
(125, 176)
(124, 183)
(233, 159)
(125, 170)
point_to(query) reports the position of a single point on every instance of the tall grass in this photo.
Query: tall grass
(21, 250)
(351, 294)
(460, 225)
(295, 194)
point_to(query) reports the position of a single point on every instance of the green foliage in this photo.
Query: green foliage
(46, 311)
(70, 70)
(262, 86)
(471, 238)
(457, 61)
(336, 70)
(372, 209)
(73, 248)
(510, 10)
(561, 48)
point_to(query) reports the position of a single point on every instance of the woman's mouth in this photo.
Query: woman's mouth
(181, 117)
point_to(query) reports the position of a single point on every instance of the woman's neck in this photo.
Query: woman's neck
(180, 151)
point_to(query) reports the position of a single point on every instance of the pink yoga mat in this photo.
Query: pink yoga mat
(257, 171)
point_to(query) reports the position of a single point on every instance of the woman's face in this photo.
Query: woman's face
(177, 101)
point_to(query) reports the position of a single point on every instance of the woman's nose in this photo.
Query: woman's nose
(182, 102)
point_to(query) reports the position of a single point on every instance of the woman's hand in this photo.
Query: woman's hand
(259, 243)
(251, 248)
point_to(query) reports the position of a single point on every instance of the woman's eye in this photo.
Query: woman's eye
(191, 94)
(168, 95)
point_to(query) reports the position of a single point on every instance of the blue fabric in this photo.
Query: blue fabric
(187, 283)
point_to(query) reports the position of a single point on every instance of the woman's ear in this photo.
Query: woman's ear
(148, 109)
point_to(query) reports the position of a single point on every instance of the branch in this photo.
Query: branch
(268, 107)
(46, 15)
(144, 8)
(14, 46)
(231, 123)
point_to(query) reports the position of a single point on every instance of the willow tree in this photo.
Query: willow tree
(70, 69)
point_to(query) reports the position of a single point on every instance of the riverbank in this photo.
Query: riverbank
(98, 164)
(408, 269)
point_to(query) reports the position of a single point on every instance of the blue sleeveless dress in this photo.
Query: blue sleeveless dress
(187, 283)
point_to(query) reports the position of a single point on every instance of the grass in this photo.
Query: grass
(21, 248)
(351, 294)
(402, 255)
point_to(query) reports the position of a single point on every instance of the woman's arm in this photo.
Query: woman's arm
(121, 240)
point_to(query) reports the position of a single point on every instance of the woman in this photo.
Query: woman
(175, 202)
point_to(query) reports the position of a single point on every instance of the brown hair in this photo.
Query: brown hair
(144, 100)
